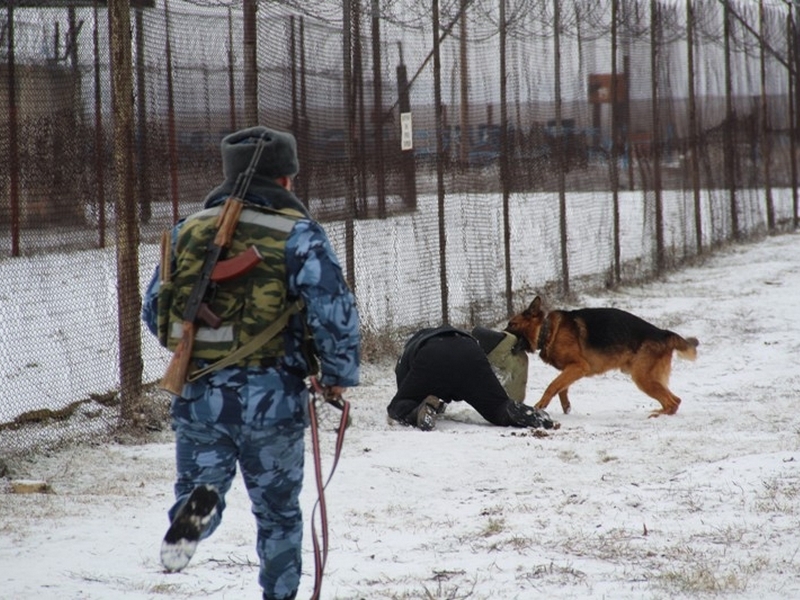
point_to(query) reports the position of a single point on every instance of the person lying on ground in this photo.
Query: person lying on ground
(444, 364)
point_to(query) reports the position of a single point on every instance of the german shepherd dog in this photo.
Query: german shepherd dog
(590, 341)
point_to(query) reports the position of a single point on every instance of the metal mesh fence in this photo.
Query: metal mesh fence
(463, 155)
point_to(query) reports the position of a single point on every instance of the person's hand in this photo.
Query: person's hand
(333, 392)
(332, 395)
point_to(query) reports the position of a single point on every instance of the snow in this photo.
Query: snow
(705, 503)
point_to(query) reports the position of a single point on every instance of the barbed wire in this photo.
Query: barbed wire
(755, 26)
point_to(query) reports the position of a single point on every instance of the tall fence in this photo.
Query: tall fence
(463, 155)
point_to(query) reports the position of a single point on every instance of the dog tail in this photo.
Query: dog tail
(686, 347)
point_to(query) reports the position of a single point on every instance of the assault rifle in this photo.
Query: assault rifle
(213, 270)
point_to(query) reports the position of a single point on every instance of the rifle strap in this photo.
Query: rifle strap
(244, 351)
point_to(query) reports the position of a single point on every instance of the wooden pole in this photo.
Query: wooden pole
(729, 132)
(561, 151)
(440, 191)
(349, 130)
(505, 174)
(616, 140)
(231, 78)
(655, 143)
(766, 142)
(249, 10)
(13, 136)
(127, 222)
(99, 138)
(694, 142)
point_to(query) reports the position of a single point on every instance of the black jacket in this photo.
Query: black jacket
(416, 341)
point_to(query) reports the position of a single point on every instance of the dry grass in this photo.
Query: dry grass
(778, 495)
(377, 346)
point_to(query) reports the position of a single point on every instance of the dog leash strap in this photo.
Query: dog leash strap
(321, 554)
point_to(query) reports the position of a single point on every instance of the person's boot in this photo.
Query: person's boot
(522, 415)
(187, 527)
(427, 411)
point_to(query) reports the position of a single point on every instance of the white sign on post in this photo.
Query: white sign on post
(406, 132)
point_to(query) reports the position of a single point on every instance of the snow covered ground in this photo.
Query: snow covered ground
(612, 505)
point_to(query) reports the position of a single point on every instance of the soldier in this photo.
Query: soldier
(444, 364)
(252, 414)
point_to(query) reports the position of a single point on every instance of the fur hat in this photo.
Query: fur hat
(278, 157)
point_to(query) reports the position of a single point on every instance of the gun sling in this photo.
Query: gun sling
(251, 346)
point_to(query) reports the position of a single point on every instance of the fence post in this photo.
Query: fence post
(99, 141)
(349, 129)
(296, 51)
(626, 66)
(362, 200)
(504, 157)
(729, 131)
(464, 140)
(171, 141)
(304, 141)
(293, 73)
(437, 87)
(766, 142)
(791, 67)
(616, 140)
(231, 79)
(409, 187)
(128, 302)
(655, 143)
(560, 150)
(250, 62)
(377, 111)
(13, 144)
(142, 158)
(796, 130)
(694, 146)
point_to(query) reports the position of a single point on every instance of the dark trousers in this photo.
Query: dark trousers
(452, 368)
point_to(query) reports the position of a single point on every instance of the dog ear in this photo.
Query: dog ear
(535, 306)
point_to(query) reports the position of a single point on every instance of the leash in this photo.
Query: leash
(316, 391)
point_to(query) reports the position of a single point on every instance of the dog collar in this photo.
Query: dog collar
(544, 333)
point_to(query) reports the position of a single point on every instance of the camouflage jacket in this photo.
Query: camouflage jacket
(245, 305)
(508, 358)
(258, 394)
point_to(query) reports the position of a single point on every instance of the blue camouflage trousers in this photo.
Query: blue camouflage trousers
(271, 461)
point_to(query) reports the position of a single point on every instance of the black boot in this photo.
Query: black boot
(187, 527)
(522, 415)
(425, 418)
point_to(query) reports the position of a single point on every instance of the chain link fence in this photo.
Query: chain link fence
(463, 155)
